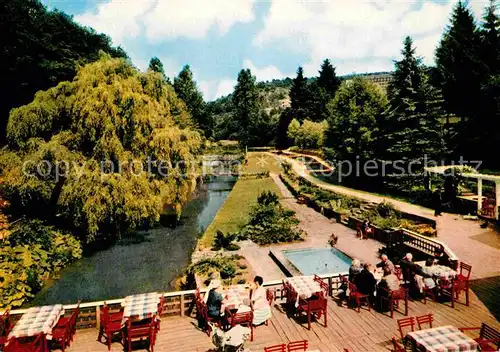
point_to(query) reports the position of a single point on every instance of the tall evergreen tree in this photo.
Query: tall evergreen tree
(458, 64)
(246, 108)
(490, 39)
(300, 96)
(328, 80)
(412, 127)
(186, 89)
(156, 65)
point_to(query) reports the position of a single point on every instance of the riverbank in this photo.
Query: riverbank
(234, 213)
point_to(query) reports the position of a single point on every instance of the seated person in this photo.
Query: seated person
(365, 282)
(389, 282)
(385, 262)
(214, 299)
(428, 274)
(354, 269)
(259, 303)
(441, 259)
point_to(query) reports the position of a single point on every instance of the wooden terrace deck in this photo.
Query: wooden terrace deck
(363, 332)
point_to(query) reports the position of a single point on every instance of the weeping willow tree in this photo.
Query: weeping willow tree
(103, 153)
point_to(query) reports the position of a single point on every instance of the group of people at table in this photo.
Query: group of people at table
(376, 282)
(217, 300)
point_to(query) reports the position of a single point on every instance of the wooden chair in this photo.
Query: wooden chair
(465, 271)
(425, 319)
(62, 336)
(314, 306)
(322, 284)
(394, 297)
(243, 319)
(5, 327)
(275, 348)
(397, 346)
(38, 344)
(110, 326)
(270, 299)
(489, 338)
(141, 331)
(357, 296)
(204, 318)
(161, 311)
(427, 291)
(301, 345)
(405, 323)
(447, 289)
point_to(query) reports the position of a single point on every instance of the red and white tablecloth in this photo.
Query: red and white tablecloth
(442, 339)
(141, 306)
(37, 320)
(304, 286)
(235, 296)
(441, 271)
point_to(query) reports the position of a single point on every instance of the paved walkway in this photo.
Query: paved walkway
(318, 228)
(452, 229)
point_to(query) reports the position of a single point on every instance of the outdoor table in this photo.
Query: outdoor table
(235, 296)
(140, 306)
(37, 320)
(441, 271)
(441, 339)
(305, 286)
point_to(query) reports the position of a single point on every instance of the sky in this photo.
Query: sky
(218, 38)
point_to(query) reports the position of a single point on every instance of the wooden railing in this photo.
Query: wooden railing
(177, 303)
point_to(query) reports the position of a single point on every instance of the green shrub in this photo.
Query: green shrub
(225, 266)
(33, 253)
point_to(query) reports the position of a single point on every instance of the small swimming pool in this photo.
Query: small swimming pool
(318, 260)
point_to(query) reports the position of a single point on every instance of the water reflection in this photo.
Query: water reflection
(143, 262)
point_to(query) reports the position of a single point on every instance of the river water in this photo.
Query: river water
(146, 261)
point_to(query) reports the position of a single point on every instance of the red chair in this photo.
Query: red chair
(136, 330)
(427, 291)
(204, 318)
(38, 344)
(275, 348)
(394, 297)
(161, 311)
(405, 323)
(61, 336)
(357, 296)
(489, 338)
(397, 346)
(465, 271)
(425, 319)
(447, 289)
(314, 306)
(110, 326)
(68, 323)
(302, 345)
(322, 284)
(243, 319)
(5, 327)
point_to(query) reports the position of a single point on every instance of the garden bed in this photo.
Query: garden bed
(339, 207)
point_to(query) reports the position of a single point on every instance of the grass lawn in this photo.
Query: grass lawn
(261, 162)
(234, 212)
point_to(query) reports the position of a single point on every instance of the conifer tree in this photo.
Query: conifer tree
(186, 89)
(328, 81)
(458, 63)
(156, 65)
(299, 96)
(412, 127)
(246, 108)
(490, 39)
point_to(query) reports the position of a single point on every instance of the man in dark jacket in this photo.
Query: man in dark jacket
(438, 202)
(365, 282)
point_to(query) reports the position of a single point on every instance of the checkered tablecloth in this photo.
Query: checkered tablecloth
(141, 306)
(37, 320)
(442, 339)
(305, 286)
(235, 296)
(441, 271)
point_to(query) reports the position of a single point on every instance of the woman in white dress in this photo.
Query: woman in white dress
(258, 299)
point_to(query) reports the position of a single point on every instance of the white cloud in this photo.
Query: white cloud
(216, 88)
(165, 19)
(117, 18)
(266, 73)
(352, 32)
